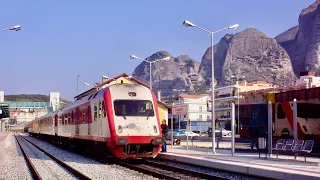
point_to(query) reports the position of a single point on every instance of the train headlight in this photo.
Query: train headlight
(121, 141)
(155, 129)
(119, 129)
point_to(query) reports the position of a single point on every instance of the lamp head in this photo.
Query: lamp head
(16, 28)
(188, 23)
(134, 57)
(234, 27)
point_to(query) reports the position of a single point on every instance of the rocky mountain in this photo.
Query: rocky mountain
(220, 51)
(256, 56)
(302, 42)
(176, 73)
(253, 54)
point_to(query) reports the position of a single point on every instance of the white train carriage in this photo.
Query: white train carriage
(123, 118)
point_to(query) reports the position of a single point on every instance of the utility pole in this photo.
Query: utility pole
(78, 84)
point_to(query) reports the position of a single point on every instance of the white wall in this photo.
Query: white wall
(1, 96)
(54, 100)
(194, 108)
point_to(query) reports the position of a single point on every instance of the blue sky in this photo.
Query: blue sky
(60, 39)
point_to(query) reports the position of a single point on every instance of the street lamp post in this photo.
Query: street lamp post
(233, 27)
(14, 28)
(78, 84)
(150, 63)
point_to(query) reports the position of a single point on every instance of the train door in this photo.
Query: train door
(72, 123)
(89, 120)
(77, 119)
(100, 117)
(56, 124)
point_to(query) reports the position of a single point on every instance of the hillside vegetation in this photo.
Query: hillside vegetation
(30, 98)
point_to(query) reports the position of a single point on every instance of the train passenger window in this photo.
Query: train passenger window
(69, 118)
(89, 115)
(77, 114)
(103, 113)
(95, 116)
(62, 119)
(100, 106)
(308, 110)
(281, 114)
(83, 115)
(66, 118)
(133, 108)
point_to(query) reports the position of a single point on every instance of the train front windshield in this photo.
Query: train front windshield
(133, 108)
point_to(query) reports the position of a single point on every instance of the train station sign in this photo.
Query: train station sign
(181, 109)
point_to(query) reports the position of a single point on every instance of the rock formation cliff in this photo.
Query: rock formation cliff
(302, 42)
(251, 53)
(177, 73)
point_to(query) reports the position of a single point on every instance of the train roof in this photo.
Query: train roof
(85, 99)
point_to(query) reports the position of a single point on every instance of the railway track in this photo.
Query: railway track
(32, 167)
(164, 171)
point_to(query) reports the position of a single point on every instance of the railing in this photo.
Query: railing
(13, 104)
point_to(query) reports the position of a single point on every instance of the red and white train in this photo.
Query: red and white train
(121, 119)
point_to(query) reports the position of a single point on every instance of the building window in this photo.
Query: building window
(200, 117)
(208, 117)
(200, 108)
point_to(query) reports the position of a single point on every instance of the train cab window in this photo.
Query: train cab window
(133, 108)
(95, 109)
(280, 114)
(83, 115)
(103, 108)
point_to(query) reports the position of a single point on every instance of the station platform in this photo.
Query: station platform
(4, 143)
(285, 167)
